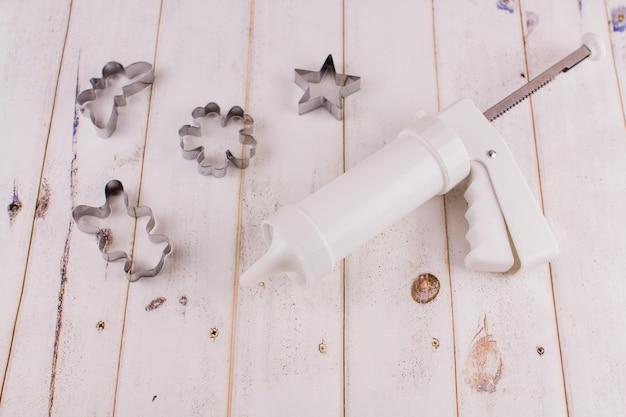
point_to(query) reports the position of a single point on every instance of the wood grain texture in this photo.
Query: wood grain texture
(582, 163)
(198, 213)
(192, 341)
(28, 79)
(278, 366)
(60, 361)
(399, 353)
(499, 321)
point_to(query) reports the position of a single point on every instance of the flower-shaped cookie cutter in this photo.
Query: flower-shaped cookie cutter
(112, 189)
(198, 153)
(141, 76)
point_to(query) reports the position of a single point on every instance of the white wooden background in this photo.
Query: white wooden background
(77, 339)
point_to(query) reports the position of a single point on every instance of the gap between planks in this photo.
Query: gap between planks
(237, 251)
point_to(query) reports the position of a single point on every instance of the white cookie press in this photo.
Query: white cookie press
(507, 230)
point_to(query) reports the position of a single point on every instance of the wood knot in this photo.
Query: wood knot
(425, 288)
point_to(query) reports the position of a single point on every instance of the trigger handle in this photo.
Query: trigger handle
(530, 237)
(490, 250)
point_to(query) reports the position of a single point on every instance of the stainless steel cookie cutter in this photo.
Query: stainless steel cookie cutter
(320, 93)
(198, 153)
(114, 188)
(141, 76)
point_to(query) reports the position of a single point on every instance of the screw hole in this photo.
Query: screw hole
(100, 326)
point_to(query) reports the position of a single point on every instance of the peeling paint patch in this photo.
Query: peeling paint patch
(59, 320)
(65, 257)
(483, 366)
(44, 200)
(506, 5)
(76, 120)
(156, 303)
(73, 164)
(532, 20)
(105, 238)
(425, 288)
(14, 208)
(618, 19)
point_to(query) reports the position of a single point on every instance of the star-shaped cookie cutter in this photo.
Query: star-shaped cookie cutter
(112, 189)
(328, 95)
(141, 76)
(198, 153)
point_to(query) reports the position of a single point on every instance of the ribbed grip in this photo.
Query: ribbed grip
(490, 250)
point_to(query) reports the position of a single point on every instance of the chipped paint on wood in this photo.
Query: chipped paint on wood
(59, 320)
(105, 238)
(65, 256)
(483, 366)
(506, 5)
(43, 202)
(156, 303)
(15, 206)
(425, 288)
(618, 19)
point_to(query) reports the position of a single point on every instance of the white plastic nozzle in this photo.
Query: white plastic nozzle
(297, 248)
(307, 239)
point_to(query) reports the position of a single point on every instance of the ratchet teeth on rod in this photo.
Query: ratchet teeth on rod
(592, 47)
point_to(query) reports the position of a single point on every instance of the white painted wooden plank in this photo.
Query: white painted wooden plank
(171, 363)
(582, 144)
(399, 353)
(61, 363)
(500, 322)
(279, 368)
(31, 46)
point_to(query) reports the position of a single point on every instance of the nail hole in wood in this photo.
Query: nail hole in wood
(100, 326)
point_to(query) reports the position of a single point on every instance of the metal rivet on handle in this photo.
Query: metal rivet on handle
(492, 154)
